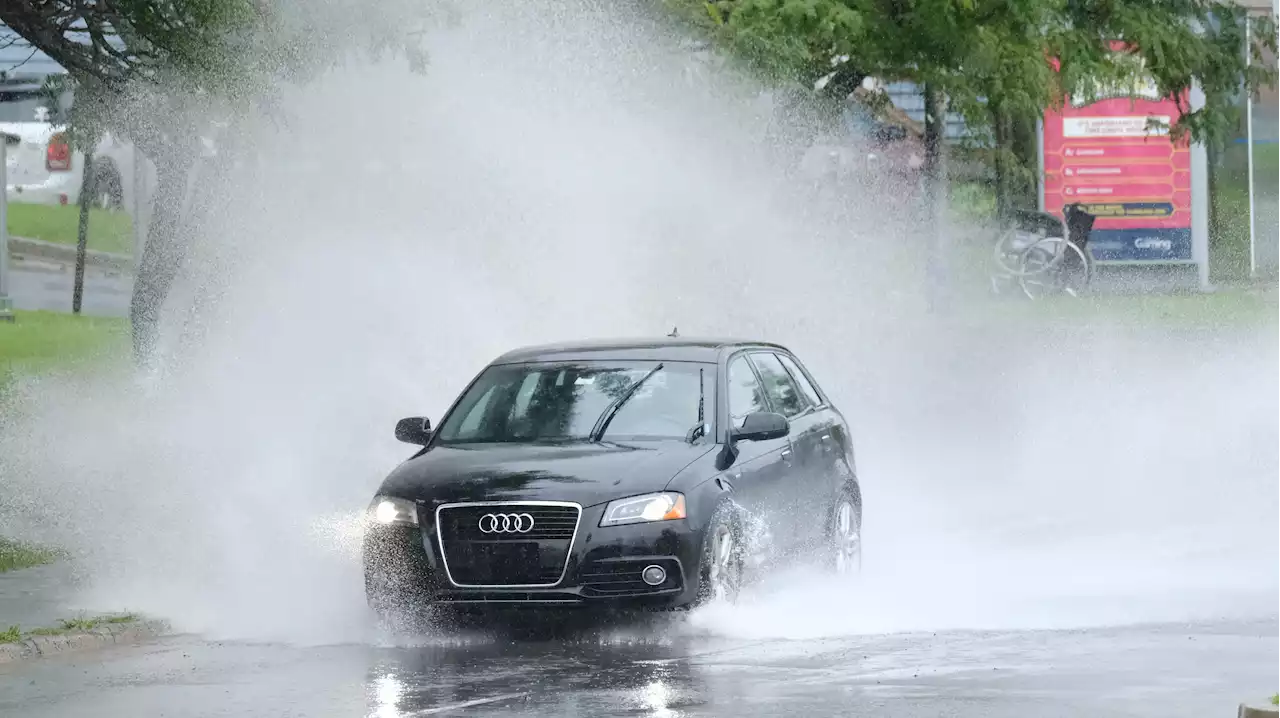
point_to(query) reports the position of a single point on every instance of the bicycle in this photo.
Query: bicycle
(1044, 255)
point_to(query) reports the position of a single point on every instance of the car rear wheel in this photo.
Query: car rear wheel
(722, 568)
(846, 537)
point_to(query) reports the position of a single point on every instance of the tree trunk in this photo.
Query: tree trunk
(1003, 131)
(88, 186)
(935, 132)
(161, 255)
(1025, 155)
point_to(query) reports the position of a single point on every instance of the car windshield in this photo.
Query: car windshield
(566, 401)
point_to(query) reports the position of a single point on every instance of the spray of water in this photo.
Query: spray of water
(557, 175)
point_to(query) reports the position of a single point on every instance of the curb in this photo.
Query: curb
(24, 248)
(1248, 711)
(106, 635)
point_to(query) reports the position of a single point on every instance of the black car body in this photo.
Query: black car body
(602, 474)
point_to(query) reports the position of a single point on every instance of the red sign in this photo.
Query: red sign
(1103, 153)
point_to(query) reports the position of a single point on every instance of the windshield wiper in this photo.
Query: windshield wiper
(612, 410)
(701, 429)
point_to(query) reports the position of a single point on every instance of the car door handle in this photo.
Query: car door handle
(826, 437)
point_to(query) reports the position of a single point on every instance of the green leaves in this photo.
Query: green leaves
(991, 55)
(992, 58)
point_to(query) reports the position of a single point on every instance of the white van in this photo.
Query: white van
(41, 166)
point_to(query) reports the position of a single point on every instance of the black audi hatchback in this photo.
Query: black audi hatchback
(639, 474)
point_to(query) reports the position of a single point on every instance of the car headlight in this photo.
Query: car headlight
(665, 506)
(390, 511)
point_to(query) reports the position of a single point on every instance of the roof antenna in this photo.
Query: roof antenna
(675, 332)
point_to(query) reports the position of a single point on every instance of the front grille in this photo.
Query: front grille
(511, 557)
(550, 523)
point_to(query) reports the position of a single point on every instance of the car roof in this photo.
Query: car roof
(691, 349)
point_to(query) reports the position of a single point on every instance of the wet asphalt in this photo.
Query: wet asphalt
(667, 669)
(48, 285)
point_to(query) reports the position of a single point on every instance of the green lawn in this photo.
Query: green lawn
(1228, 308)
(15, 555)
(42, 341)
(35, 340)
(83, 624)
(108, 231)
(39, 341)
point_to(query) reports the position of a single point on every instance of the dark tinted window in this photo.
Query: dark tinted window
(810, 391)
(563, 401)
(782, 390)
(746, 396)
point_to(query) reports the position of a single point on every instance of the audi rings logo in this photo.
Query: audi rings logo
(506, 523)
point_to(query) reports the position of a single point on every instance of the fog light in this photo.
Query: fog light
(653, 575)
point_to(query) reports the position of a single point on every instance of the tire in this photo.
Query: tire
(722, 567)
(1057, 267)
(844, 536)
(108, 189)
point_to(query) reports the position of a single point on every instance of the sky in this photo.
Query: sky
(12, 56)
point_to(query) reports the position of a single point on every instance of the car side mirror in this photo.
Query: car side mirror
(414, 430)
(762, 426)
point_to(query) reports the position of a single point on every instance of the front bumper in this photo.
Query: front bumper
(603, 567)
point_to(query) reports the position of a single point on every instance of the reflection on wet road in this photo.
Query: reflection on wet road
(1164, 670)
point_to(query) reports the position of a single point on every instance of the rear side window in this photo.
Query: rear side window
(810, 391)
(746, 396)
(782, 391)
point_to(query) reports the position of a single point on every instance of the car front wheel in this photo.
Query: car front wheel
(846, 537)
(722, 567)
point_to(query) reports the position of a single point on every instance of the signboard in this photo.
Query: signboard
(1103, 152)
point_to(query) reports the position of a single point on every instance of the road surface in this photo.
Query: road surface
(1199, 671)
(44, 284)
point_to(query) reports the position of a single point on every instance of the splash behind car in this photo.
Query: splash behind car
(617, 474)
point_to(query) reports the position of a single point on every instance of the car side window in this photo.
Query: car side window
(782, 390)
(810, 391)
(746, 396)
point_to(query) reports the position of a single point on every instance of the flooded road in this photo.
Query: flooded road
(1199, 670)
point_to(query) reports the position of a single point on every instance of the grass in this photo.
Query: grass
(16, 554)
(972, 201)
(1229, 236)
(41, 341)
(109, 231)
(65, 626)
(1231, 308)
(38, 341)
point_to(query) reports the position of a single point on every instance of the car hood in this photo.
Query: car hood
(586, 473)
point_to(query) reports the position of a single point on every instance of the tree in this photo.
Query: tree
(168, 75)
(988, 59)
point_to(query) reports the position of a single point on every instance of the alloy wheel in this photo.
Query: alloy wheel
(725, 572)
(847, 536)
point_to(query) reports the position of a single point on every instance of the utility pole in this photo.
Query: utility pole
(6, 304)
(87, 189)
